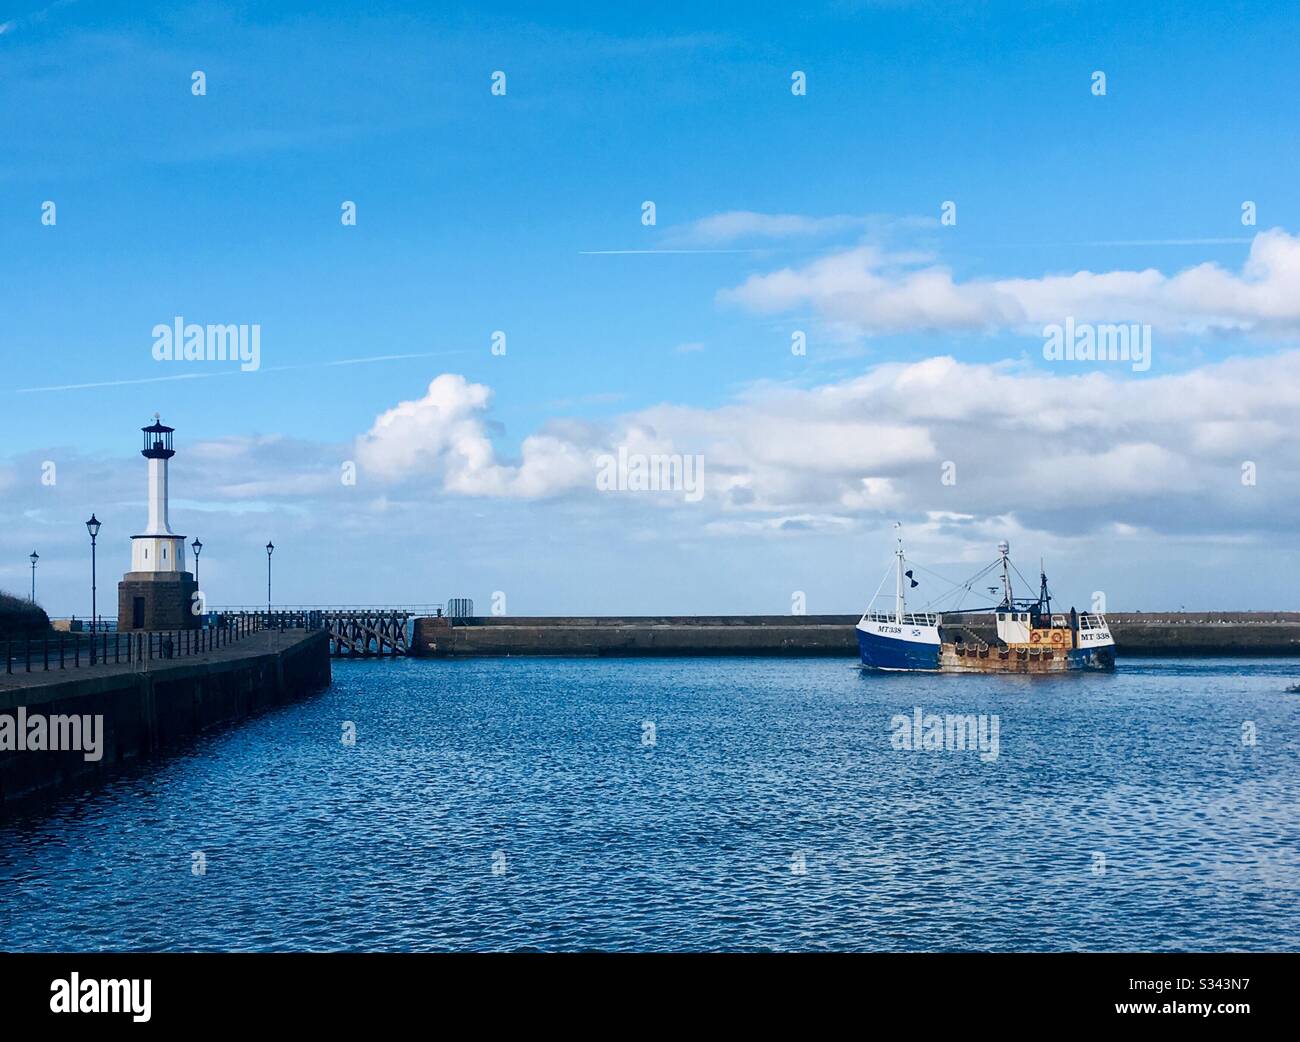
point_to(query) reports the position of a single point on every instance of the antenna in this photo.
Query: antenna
(1004, 548)
(899, 605)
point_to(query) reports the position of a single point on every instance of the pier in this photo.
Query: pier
(356, 630)
(1137, 634)
(154, 701)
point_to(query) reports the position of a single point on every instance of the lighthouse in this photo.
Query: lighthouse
(157, 593)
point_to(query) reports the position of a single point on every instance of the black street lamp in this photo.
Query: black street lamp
(270, 549)
(196, 546)
(34, 558)
(92, 526)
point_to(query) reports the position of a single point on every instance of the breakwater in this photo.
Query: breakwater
(149, 705)
(1206, 633)
(1136, 634)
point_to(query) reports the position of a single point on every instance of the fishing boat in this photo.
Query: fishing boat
(1016, 635)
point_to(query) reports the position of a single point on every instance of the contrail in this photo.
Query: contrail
(1115, 242)
(620, 253)
(991, 245)
(237, 372)
(1164, 242)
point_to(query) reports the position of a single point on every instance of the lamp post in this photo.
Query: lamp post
(34, 558)
(92, 526)
(270, 549)
(196, 546)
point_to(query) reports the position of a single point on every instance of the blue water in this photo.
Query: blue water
(513, 804)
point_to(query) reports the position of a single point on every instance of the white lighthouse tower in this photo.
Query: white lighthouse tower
(158, 548)
(157, 593)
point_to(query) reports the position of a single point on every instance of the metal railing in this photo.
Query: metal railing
(406, 609)
(924, 618)
(77, 624)
(78, 650)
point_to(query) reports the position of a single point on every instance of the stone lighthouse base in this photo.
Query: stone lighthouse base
(156, 601)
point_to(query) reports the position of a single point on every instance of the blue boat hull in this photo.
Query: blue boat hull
(892, 653)
(1101, 659)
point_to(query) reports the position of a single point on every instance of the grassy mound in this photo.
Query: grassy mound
(21, 618)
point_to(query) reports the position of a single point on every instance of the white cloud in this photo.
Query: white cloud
(782, 525)
(1124, 476)
(737, 225)
(749, 226)
(878, 293)
(1066, 452)
(444, 434)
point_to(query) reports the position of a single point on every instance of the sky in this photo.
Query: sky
(866, 220)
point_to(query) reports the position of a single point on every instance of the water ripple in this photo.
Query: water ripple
(513, 805)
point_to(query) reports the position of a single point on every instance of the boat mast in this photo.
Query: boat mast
(1004, 549)
(898, 584)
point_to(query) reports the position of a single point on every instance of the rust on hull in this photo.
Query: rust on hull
(967, 658)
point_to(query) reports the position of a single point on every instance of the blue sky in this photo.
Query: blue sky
(479, 213)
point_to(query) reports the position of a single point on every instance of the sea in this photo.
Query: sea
(683, 804)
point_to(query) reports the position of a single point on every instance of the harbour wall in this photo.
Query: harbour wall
(1206, 633)
(1136, 634)
(147, 711)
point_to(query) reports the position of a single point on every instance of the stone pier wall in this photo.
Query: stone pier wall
(147, 711)
(1136, 634)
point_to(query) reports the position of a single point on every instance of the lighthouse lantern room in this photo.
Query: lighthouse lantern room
(157, 593)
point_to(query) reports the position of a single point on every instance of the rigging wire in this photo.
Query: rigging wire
(880, 587)
(963, 588)
(1028, 585)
